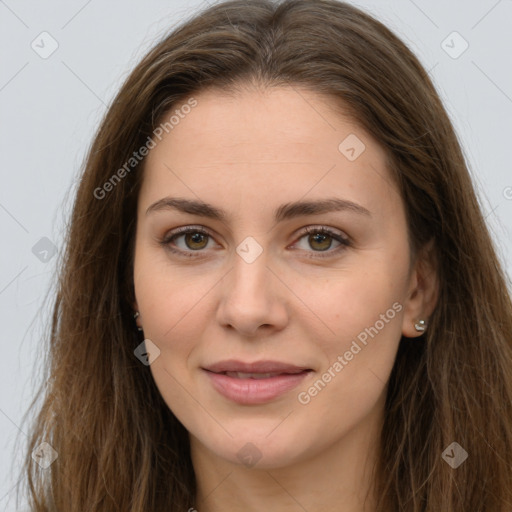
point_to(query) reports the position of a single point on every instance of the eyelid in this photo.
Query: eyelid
(321, 228)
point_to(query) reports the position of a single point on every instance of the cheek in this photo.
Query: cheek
(363, 310)
(358, 359)
(169, 298)
(354, 300)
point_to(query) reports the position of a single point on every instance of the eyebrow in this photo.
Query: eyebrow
(284, 212)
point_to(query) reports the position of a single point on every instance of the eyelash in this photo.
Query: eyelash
(309, 230)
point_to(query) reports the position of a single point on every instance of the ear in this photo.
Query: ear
(423, 291)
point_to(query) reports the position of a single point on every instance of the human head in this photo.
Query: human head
(335, 50)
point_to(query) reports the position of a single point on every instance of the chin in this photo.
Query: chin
(255, 449)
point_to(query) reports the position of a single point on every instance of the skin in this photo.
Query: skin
(247, 154)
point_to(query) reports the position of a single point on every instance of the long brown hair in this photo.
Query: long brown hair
(119, 446)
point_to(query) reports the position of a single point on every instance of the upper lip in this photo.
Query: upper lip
(233, 365)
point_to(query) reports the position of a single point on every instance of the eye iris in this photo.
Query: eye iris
(319, 237)
(196, 238)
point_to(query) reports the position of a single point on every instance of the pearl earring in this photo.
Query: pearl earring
(135, 316)
(420, 325)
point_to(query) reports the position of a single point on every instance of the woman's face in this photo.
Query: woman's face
(274, 343)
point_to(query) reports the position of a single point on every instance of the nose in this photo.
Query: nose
(253, 298)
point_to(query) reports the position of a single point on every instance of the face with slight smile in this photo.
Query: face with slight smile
(322, 310)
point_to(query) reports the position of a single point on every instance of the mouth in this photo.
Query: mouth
(254, 383)
(255, 368)
(243, 375)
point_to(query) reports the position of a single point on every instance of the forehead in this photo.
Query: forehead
(264, 141)
(270, 119)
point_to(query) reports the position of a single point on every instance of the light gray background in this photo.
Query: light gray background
(50, 109)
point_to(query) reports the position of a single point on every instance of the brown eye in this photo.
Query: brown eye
(195, 240)
(320, 241)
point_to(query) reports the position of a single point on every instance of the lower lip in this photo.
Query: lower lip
(255, 391)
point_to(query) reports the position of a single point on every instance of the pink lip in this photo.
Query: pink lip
(250, 391)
